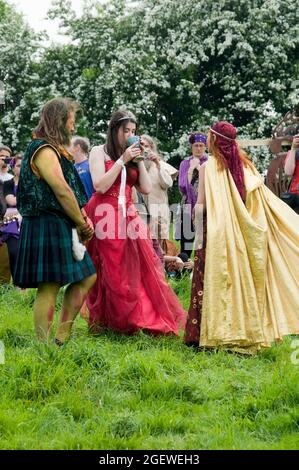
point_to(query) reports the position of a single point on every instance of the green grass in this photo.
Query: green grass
(139, 392)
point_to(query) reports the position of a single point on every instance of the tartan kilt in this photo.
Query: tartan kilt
(45, 253)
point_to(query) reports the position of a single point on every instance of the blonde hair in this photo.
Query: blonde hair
(151, 141)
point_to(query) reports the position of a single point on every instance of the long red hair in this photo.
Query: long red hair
(221, 162)
(229, 156)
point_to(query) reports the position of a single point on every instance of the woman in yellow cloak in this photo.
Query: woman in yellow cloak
(245, 287)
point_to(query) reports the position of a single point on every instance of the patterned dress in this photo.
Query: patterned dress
(185, 231)
(192, 331)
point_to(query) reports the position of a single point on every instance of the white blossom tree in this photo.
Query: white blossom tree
(18, 46)
(178, 65)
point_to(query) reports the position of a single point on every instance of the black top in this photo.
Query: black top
(34, 195)
(9, 187)
(2, 201)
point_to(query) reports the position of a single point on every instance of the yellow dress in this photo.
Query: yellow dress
(251, 280)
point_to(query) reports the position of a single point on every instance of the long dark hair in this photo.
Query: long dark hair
(118, 119)
(53, 119)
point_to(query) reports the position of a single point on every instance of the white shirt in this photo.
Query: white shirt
(5, 176)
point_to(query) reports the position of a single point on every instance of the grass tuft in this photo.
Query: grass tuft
(113, 391)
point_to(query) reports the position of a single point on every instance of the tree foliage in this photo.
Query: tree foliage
(178, 65)
(18, 46)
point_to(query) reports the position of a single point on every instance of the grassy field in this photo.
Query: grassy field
(140, 392)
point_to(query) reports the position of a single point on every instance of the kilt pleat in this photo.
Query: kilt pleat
(45, 253)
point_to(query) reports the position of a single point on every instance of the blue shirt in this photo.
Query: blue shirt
(84, 173)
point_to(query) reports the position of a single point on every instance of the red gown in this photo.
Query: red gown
(131, 292)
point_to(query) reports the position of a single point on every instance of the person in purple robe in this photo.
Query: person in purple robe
(188, 185)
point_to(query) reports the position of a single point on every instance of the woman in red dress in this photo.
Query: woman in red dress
(291, 166)
(131, 292)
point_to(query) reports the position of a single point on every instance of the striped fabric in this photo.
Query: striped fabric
(45, 253)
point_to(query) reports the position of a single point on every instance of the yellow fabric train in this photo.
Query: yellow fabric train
(251, 292)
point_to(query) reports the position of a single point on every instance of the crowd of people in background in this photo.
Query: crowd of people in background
(98, 221)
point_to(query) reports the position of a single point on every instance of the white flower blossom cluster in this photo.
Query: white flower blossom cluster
(179, 66)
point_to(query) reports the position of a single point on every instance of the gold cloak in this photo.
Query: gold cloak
(251, 293)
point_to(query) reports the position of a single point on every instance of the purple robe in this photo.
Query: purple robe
(185, 187)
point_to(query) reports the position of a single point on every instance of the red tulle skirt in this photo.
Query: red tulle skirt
(131, 292)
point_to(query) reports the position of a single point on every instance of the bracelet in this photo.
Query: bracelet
(120, 162)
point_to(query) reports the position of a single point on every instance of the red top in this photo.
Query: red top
(294, 188)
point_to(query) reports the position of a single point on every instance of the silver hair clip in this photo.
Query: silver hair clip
(124, 118)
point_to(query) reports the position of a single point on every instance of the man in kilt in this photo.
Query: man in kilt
(51, 199)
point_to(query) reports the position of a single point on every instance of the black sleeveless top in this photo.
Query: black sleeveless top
(34, 195)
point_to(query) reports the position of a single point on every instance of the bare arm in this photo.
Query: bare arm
(9, 193)
(290, 162)
(46, 161)
(11, 200)
(101, 179)
(201, 197)
(168, 258)
(199, 209)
